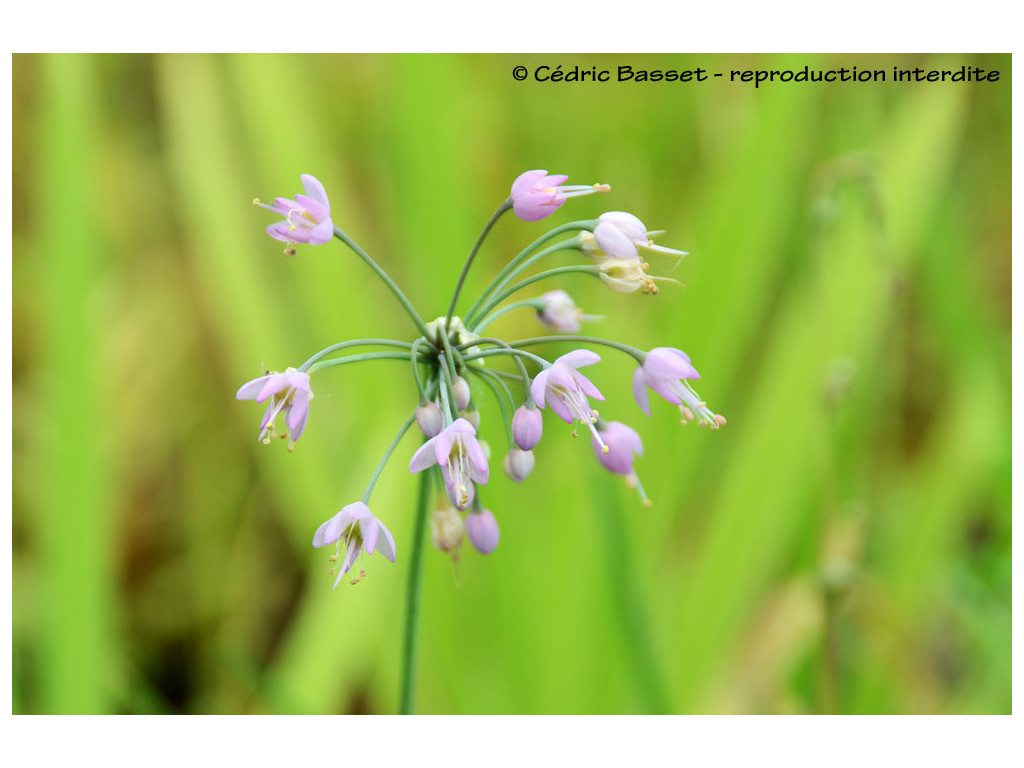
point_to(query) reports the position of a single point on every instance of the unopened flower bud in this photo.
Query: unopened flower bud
(527, 427)
(472, 416)
(462, 394)
(446, 530)
(518, 465)
(430, 419)
(482, 530)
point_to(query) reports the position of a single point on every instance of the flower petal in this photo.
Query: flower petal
(330, 531)
(314, 188)
(669, 363)
(578, 358)
(386, 543)
(251, 389)
(424, 457)
(640, 390)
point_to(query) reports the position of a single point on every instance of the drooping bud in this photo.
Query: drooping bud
(622, 442)
(446, 530)
(472, 416)
(462, 393)
(527, 427)
(559, 312)
(482, 530)
(518, 465)
(430, 419)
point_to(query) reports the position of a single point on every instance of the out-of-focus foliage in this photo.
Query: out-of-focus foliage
(843, 545)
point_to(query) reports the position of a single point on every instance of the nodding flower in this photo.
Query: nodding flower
(536, 195)
(666, 370)
(289, 394)
(456, 450)
(621, 234)
(482, 530)
(307, 218)
(566, 390)
(356, 526)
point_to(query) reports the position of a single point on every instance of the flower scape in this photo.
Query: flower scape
(447, 361)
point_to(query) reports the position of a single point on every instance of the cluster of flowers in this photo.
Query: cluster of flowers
(451, 348)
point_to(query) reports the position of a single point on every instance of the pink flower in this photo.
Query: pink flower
(536, 195)
(482, 530)
(527, 427)
(289, 394)
(307, 217)
(456, 450)
(566, 390)
(620, 234)
(359, 529)
(622, 442)
(665, 370)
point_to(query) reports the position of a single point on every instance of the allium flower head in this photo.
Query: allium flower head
(566, 390)
(619, 235)
(482, 530)
(623, 442)
(356, 526)
(536, 195)
(666, 370)
(289, 394)
(456, 450)
(307, 217)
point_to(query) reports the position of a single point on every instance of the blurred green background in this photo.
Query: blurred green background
(843, 545)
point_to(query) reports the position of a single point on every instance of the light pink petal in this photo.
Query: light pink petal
(251, 389)
(478, 459)
(424, 457)
(274, 384)
(526, 180)
(539, 385)
(561, 410)
(315, 189)
(667, 388)
(640, 390)
(330, 531)
(587, 386)
(614, 242)
(369, 529)
(298, 415)
(386, 543)
(443, 444)
(280, 231)
(298, 379)
(322, 232)
(669, 363)
(578, 358)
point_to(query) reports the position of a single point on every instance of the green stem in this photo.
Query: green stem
(506, 205)
(353, 343)
(500, 280)
(359, 358)
(513, 352)
(633, 352)
(504, 403)
(519, 362)
(587, 268)
(534, 303)
(387, 455)
(338, 233)
(407, 694)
